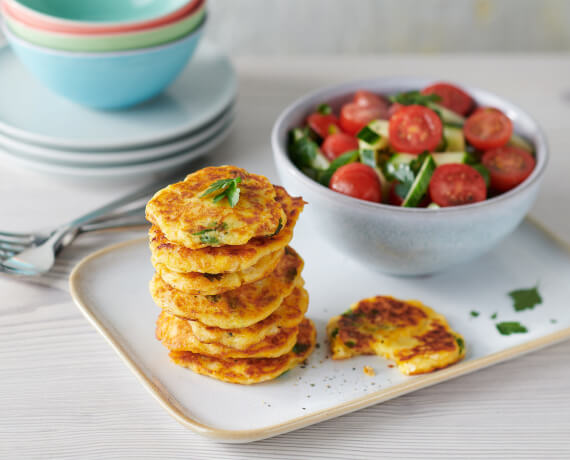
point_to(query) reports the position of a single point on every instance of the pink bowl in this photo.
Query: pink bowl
(44, 22)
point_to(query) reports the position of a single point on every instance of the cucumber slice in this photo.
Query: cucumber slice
(433, 206)
(320, 161)
(439, 158)
(518, 141)
(374, 136)
(420, 185)
(447, 116)
(450, 157)
(455, 139)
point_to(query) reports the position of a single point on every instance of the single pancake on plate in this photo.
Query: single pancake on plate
(413, 335)
(241, 307)
(176, 335)
(216, 283)
(251, 370)
(226, 258)
(188, 215)
(288, 315)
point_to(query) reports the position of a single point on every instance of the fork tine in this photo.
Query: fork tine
(16, 237)
(15, 246)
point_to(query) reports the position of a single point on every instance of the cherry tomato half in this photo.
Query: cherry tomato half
(357, 180)
(366, 99)
(321, 124)
(508, 166)
(354, 117)
(394, 108)
(488, 128)
(337, 144)
(456, 184)
(414, 129)
(452, 97)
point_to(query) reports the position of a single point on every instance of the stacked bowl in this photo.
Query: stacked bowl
(105, 54)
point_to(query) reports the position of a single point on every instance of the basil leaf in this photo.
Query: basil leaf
(302, 149)
(324, 109)
(414, 98)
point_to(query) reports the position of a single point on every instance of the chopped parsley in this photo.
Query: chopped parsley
(350, 343)
(209, 239)
(511, 327)
(227, 188)
(460, 344)
(525, 299)
(474, 313)
(278, 229)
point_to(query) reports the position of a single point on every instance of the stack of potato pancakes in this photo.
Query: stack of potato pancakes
(230, 287)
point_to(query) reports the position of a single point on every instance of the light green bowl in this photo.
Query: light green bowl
(108, 42)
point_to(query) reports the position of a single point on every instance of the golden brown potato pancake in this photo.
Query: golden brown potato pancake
(288, 315)
(176, 334)
(226, 258)
(238, 308)
(413, 335)
(216, 283)
(251, 370)
(195, 221)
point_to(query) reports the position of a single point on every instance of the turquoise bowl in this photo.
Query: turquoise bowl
(114, 80)
(406, 241)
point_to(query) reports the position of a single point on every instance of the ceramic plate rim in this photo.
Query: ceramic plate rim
(90, 145)
(124, 170)
(110, 158)
(241, 436)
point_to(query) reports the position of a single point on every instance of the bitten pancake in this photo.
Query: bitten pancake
(210, 284)
(226, 258)
(417, 338)
(239, 308)
(288, 315)
(252, 370)
(188, 218)
(176, 334)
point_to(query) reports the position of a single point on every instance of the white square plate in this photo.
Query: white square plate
(111, 289)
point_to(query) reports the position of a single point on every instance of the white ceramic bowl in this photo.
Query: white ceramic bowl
(397, 240)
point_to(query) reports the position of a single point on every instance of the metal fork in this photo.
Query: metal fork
(34, 253)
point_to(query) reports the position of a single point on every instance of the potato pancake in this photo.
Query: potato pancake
(176, 334)
(239, 308)
(413, 335)
(187, 217)
(215, 283)
(288, 315)
(226, 258)
(251, 370)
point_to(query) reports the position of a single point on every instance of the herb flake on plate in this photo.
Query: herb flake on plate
(525, 299)
(511, 327)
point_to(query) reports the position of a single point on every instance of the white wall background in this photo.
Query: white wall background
(252, 27)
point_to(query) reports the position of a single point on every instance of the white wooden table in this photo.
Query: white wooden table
(65, 394)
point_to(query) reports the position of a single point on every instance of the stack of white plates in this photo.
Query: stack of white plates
(41, 131)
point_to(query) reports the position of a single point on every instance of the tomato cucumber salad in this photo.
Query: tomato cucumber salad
(430, 148)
